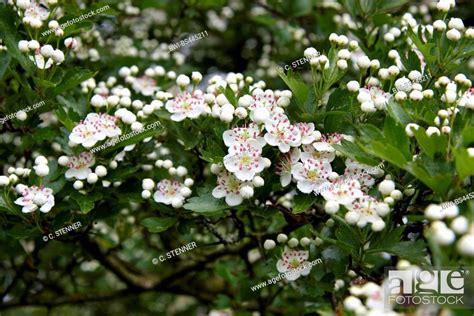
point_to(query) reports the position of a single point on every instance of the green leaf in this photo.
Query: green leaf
(296, 85)
(302, 202)
(464, 163)
(86, 202)
(229, 94)
(300, 7)
(398, 113)
(10, 36)
(205, 204)
(4, 62)
(395, 135)
(73, 78)
(430, 145)
(158, 224)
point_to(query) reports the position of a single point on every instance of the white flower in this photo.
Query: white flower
(41, 170)
(35, 14)
(456, 23)
(245, 160)
(40, 61)
(240, 135)
(79, 166)
(294, 263)
(187, 105)
(34, 198)
(281, 133)
(467, 99)
(386, 187)
(230, 187)
(144, 85)
(311, 174)
(343, 191)
(308, 134)
(58, 56)
(286, 166)
(70, 42)
(183, 80)
(367, 208)
(169, 192)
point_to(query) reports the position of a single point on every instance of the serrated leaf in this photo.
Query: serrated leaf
(205, 204)
(158, 224)
(303, 202)
(73, 79)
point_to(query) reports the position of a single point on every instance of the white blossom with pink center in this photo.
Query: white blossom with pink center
(263, 100)
(361, 173)
(309, 152)
(36, 197)
(79, 166)
(229, 187)
(286, 164)
(294, 263)
(326, 142)
(105, 123)
(467, 99)
(96, 127)
(281, 133)
(168, 191)
(243, 134)
(187, 105)
(366, 206)
(36, 12)
(144, 85)
(245, 160)
(308, 134)
(343, 191)
(311, 174)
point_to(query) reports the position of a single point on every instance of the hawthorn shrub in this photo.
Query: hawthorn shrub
(232, 157)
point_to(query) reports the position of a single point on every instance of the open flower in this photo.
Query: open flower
(79, 166)
(245, 160)
(169, 192)
(242, 134)
(343, 191)
(294, 263)
(230, 187)
(36, 197)
(36, 13)
(281, 133)
(187, 105)
(94, 128)
(366, 208)
(144, 85)
(286, 164)
(311, 174)
(467, 99)
(40, 61)
(307, 132)
(376, 97)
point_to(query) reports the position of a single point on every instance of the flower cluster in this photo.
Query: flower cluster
(95, 127)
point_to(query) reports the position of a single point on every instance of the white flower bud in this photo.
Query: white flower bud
(353, 86)
(331, 207)
(78, 185)
(456, 23)
(305, 241)
(92, 178)
(393, 71)
(341, 64)
(416, 95)
(196, 77)
(21, 115)
(23, 46)
(4, 181)
(439, 25)
(185, 191)
(293, 242)
(246, 191)
(181, 171)
(363, 62)
(58, 56)
(63, 160)
(146, 194)
(41, 170)
(368, 107)
(351, 303)
(189, 182)
(176, 203)
(434, 212)
(70, 42)
(41, 160)
(183, 80)
(386, 187)
(383, 209)
(464, 245)
(389, 37)
(101, 171)
(47, 51)
(453, 35)
(432, 130)
(378, 226)
(352, 217)
(282, 238)
(269, 244)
